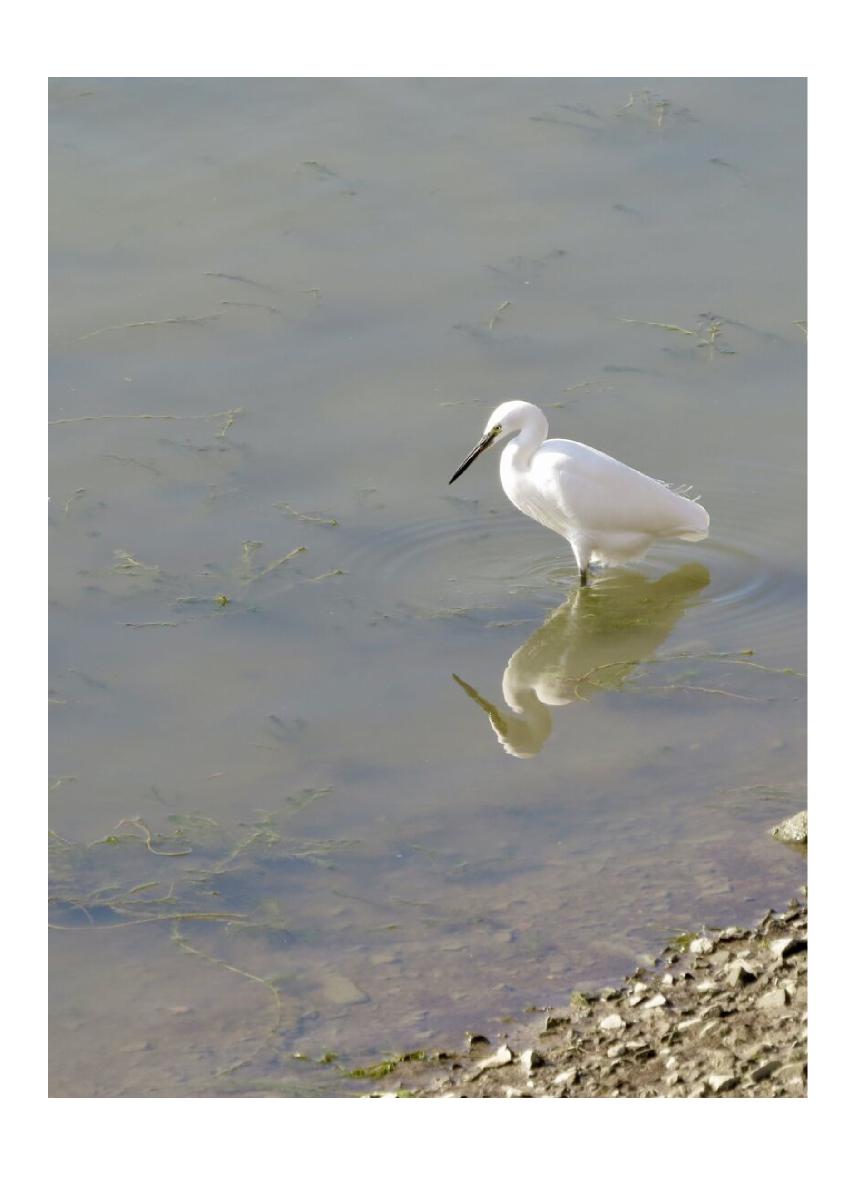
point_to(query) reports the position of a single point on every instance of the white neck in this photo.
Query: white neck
(519, 450)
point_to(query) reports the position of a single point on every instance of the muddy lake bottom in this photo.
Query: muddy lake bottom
(197, 1007)
(342, 762)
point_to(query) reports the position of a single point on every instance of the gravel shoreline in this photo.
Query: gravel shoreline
(720, 1014)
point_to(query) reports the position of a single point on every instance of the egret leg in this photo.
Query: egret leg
(582, 554)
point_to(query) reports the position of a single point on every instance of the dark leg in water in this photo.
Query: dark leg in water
(583, 577)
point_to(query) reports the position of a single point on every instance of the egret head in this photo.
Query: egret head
(511, 417)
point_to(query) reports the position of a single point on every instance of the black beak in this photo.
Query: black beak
(486, 441)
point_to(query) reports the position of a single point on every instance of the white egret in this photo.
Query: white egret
(607, 511)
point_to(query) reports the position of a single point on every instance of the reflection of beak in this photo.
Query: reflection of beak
(486, 440)
(498, 721)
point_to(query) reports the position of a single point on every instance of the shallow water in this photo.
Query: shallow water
(406, 781)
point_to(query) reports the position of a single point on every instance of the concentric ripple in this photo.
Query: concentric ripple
(499, 561)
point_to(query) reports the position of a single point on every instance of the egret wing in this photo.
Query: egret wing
(597, 492)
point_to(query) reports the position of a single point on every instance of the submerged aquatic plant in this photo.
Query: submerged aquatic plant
(197, 873)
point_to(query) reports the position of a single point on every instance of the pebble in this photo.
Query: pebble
(531, 1059)
(721, 1083)
(739, 975)
(764, 1070)
(569, 1076)
(793, 830)
(785, 947)
(338, 989)
(749, 963)
(754, 1050)
(790, 1073)
(615, 1021)
(638, 1044)
(701, 945)
(733, 1025)
(501, 1058)
(775, 998)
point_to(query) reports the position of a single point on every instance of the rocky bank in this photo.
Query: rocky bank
(721, 1013)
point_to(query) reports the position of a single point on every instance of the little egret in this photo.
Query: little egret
(607, 511)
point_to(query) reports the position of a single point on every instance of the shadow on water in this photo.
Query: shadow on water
(595, 641)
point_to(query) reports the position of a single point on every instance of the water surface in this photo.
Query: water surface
(341, 762)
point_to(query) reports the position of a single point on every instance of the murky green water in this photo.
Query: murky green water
(338, 768)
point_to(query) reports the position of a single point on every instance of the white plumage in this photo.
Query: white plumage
(607, 511)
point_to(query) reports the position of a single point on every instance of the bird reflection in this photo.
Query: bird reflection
(592, 642)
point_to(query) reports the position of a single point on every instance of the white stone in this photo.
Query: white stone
(721, 1083)
(776, 998)
(615, 1021)
(701, 945)
(501, 1058)
(739, 974)
(792, 830)
(530, 1059)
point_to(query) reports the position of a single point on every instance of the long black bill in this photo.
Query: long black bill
(486, 440)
